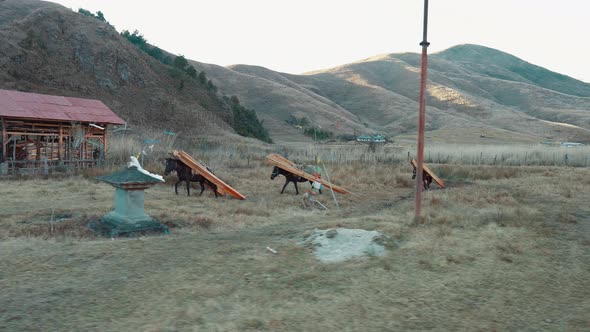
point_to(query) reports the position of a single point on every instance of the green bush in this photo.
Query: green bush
(245, 121)
(295, 121)
(99, 15)
(347, 137)
(138, 40)
(318, 134)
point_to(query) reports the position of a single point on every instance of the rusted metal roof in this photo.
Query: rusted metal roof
(16, 104)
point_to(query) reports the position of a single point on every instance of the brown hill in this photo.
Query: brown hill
(472, 89)
(47, 48)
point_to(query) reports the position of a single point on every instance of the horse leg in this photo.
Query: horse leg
(202, 183)
(285, 186)
(188, 187)
(296, 190)
(176, 186)
(427, 181)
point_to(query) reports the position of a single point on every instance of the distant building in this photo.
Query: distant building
(371, 138)
(48, 132)
(571, 144)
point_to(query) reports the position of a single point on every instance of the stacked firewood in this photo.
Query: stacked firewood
(43, 149)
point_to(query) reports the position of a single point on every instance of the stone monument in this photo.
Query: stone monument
(128, 217)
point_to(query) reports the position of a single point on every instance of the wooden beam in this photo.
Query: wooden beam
(29, 134)
(33, 123)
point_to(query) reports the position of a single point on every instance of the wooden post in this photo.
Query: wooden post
(60, 142)
(4, 139)
(421, 116)
(104, 143)
(331, 190)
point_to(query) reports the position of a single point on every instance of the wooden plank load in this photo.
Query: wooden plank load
(222, 187)
(289, 166)
(427, 170)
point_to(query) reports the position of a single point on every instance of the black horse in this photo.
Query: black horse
(289, 177)
(185, 173)
(426, 178)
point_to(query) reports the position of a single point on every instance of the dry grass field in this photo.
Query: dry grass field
(502, 248)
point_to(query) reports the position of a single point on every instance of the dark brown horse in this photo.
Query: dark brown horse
(289, 177)
(185, 173)
(426, 178)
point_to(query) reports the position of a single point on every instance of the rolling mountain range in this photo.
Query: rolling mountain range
(475, 94)
(473, 91)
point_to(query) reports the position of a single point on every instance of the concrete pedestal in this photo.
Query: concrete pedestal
(128, 217)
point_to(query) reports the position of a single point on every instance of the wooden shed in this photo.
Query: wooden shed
(45, 131)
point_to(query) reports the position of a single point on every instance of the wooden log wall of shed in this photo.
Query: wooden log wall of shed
(36, 143)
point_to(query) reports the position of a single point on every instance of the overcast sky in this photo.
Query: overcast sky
(303, 35)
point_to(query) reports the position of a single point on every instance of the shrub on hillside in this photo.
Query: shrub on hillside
(99, 15)
(318, 134)
(295, 121)
(138, 40)
(346, 137)
(245, 121)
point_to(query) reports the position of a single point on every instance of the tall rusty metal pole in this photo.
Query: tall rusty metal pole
(422, 116)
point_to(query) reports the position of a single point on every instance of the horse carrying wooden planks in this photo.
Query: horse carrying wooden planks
(427, 175)
(185, 173)
(221, 188)
(282, 163)
(289, 177)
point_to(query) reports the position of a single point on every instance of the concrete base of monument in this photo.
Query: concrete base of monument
(114, 225)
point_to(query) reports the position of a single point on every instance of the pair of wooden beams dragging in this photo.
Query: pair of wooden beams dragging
(222, 187)
(284, 163)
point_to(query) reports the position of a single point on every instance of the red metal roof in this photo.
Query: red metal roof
(16, 104)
